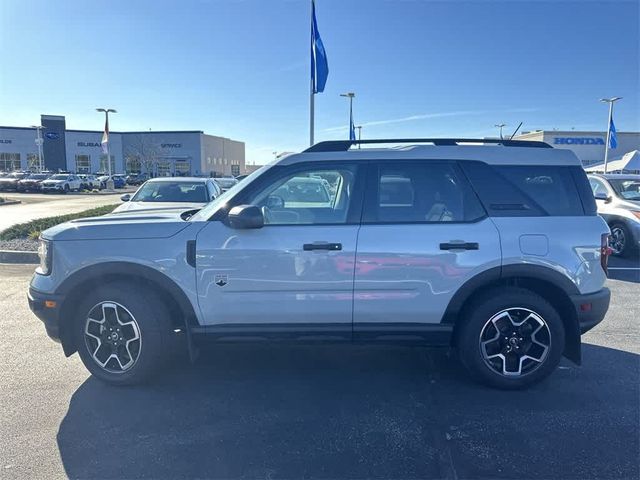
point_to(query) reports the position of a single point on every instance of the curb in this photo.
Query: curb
(17, 256)
(10, 202)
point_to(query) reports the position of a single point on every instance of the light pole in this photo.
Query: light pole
(39, 142)
(350, 96)
(610, 101)
(500, 126)
(359, 127)
(107, 111)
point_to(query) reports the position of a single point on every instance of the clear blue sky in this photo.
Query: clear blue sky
(241, 68)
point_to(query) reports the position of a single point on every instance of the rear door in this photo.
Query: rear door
(424, 233)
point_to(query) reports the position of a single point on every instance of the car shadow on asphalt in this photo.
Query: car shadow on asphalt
(354, 412)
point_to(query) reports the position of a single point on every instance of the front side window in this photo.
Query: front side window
(420, 192)
(308, 197)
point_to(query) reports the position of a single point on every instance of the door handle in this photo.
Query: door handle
(322, 246)
(459, 246)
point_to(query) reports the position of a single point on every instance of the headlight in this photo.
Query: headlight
(44, 252)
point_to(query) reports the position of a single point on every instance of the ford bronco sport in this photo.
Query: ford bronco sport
(491, 247)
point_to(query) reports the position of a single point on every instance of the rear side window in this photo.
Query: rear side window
(420, 192)
(526, 190)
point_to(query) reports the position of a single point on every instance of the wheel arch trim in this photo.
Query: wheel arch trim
(526, 272)
(93, 272)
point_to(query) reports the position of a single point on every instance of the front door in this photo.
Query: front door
(297, 270)
(424, 233)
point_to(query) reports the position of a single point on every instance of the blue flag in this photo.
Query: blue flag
(319, 65)
(613, 141)
(352, 128)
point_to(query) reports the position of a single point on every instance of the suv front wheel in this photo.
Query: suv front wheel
(511, 338)
(122, 332)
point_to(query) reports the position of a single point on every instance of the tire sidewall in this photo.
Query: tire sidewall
(152, 322)
(484, 309)
(627, 238)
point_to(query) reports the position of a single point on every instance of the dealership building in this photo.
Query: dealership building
(165, 153)
(588, 146)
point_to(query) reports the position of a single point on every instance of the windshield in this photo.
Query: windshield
(38, 176)
(59, 177)
(180, 192)
(628, 189)
(213, 206)
(226, 182)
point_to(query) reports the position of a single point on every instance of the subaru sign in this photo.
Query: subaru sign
(578, 141)
(52, 135)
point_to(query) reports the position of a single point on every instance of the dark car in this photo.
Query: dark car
(10, 182)
(137, 178)
(32, 183)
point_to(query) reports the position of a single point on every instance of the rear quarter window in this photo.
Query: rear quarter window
(530, 190)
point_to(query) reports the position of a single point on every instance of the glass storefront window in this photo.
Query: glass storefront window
(9, 162)
(103, 164)
(83, 164)
(33, 163)
(163, 168)
(133, 164)
(183, 167)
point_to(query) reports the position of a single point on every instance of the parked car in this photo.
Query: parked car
(618, 201)
(88, 181)
(136, 178)
(184, 193)
(496, 251)
(11, 181)
(61, 183)
(226, 182)
(32, 182)
(118, 181)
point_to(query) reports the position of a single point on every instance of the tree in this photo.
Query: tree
(144, 151)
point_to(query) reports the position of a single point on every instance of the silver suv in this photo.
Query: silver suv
(491, 247)
(618, 200)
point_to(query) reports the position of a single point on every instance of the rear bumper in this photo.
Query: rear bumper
(591, 308)
(50, 316)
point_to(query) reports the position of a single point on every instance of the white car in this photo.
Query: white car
(62, 183)
(89, 181)
(226, 183)
(492, 247)
(181, 193)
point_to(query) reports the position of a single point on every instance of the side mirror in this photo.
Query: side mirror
(602, 196)
(126, 197)
(245, 216)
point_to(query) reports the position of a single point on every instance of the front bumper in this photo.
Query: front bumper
(50, 315)
(591, 308)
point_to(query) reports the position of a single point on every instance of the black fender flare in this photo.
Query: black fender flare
(560, 284)
(105, 270)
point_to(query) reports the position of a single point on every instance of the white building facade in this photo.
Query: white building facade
(160, 153)
(588, 146)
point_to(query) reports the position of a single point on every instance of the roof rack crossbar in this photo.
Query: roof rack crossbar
(344, 145)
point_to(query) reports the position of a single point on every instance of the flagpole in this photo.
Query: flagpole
(311, 98)
(606, 145)
(610, 101)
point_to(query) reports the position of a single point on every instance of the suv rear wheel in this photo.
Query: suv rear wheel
(122, 332)
(511, 338)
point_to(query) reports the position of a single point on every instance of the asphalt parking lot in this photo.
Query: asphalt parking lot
(319, 412)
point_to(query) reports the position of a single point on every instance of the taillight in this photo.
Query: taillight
(605, 251)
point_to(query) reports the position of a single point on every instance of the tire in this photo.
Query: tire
(66, 188)
(140, 313)
(499, 326)
(621, 241)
